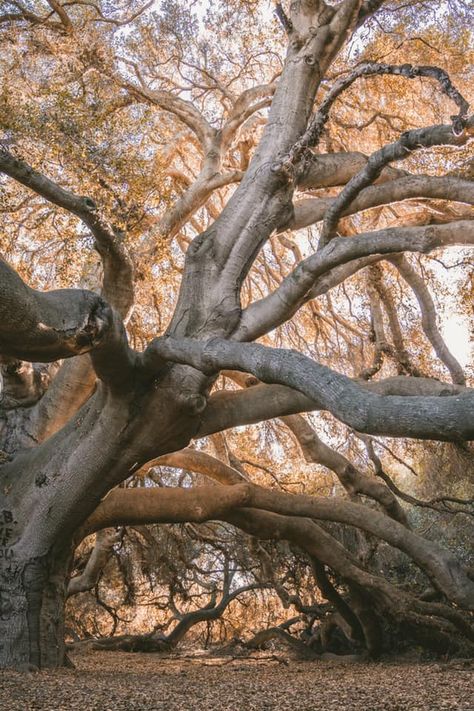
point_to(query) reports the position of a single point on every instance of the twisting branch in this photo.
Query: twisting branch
(449, 418)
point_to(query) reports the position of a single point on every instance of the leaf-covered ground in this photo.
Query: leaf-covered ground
(132, 682)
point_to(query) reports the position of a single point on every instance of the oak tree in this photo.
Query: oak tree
(268, 194)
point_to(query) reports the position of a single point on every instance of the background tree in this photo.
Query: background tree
(195, 154)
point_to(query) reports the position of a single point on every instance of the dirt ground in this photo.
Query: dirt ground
(116, 681)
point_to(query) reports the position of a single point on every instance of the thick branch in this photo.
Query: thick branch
(134, 507)
(406, 144)
(449, 418)
(312, 210)
(218, 260)
(264, 315)
(163, 505)
(38, 326)
(328, 170)
(227, 409)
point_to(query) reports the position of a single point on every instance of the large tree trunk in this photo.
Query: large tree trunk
(42, 503)
(32, 592)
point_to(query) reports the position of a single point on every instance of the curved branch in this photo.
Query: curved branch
(134, 507)
(137, 506)
(407, 143)
(227, 409)
(104, 543)
(181, 108)
(118, 269)
(200, 462)
(428, 317)
(264, 315)
(448, 418)
(313, 133)
(352, 479)
(219, 259)
(312, 210)
(329, 170)
(249, 101)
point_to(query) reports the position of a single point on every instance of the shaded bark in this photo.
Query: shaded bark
(32, 594)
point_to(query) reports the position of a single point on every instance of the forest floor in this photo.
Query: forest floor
(117, 681)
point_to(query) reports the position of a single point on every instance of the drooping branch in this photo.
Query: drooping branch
(136, 506)
(311, 538)
(157, 641)
(352, 479)
(441, 504)
(449, 418)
